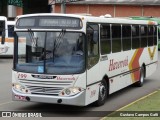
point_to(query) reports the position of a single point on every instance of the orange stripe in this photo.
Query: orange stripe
(134, 64)
(11, 40)
(8, 40)
(130, 64)
(151, 23)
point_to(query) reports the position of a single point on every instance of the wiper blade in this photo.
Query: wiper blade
(33, 39)
(58, 41)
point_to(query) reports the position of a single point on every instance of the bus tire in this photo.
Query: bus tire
(141, 77)
(102, 94)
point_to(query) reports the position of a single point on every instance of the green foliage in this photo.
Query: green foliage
(18, 3)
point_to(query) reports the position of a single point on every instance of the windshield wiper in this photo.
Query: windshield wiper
(58, 41)
(33, 39)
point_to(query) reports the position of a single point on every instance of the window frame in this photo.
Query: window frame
(120, 37)
(136, 36)
(109, 39)
(123, 38)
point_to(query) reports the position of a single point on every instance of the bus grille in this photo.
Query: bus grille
(45, 87)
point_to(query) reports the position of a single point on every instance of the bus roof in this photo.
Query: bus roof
(3, 18)
(10, 22)
(95, 19)
(146, 18)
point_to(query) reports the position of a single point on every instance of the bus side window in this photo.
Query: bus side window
(2, 32)
(116, 38)
(158, 32)
(135, 37)
(150, 35)
(155, 35)
(144, 36)
(126, 37)
(10, 30)
(105, 38)
(92, 30)
(2, 27)
(92, 44)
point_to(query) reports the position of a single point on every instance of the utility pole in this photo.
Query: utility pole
(63, 6)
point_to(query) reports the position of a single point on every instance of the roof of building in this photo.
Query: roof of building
(123, 2)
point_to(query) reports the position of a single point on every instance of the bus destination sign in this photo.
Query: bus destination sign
(49, 23)
(58, 22)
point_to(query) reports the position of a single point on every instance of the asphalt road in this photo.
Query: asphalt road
(114, 102)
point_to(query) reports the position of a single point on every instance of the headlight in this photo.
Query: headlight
(71, 91)
(20, 88)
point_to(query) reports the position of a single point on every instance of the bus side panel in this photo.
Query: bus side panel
(93, 80)
(152, 56)
(123, 68)
(150, 69)
(92, 93)
(117, 70)
(10, 43)
(81, 81)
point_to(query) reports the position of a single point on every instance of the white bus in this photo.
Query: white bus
(8, 30)
(3, 27)
(77, 60)
(10, 38)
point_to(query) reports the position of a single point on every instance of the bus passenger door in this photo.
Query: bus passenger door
(92, 62)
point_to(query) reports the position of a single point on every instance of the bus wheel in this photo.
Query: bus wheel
(102, 94)
(141, 78)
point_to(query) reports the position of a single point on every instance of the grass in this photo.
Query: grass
(146, 106)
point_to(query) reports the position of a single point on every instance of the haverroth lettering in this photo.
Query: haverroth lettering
(118, 64)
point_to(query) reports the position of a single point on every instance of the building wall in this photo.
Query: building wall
(152, 11)
(101, 9)
(114, 10)
(19, 11)
(8, 10)
(124, 11)
(98, 10)
(13, 11)
(77, 9)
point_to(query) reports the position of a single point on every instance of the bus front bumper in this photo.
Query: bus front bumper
(78, 100)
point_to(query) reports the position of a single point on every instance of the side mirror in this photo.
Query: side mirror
(95, 37)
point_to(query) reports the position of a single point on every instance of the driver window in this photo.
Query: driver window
(92, 44)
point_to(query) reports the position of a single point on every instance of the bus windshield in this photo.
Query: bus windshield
(2, 27)
(50, 52)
